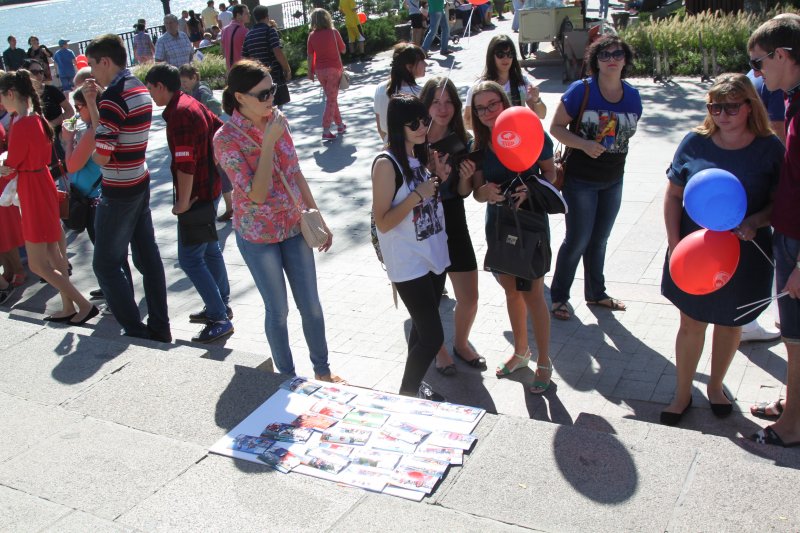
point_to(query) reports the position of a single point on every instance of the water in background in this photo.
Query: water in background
(78, 20)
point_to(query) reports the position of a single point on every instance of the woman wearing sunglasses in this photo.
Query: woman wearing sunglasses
(408, 65)
(256, 151)
(410, 223)
(503, 67)
(440, 97)
(594, 169)
(494, 183)
(735, 136)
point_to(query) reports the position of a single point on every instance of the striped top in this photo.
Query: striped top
(125, 113)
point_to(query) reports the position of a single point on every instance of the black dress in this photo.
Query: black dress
(757, 166)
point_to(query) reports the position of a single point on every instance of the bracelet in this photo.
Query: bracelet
(421, 198)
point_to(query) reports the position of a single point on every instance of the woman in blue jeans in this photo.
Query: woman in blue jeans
(594, 169)
(256, 151)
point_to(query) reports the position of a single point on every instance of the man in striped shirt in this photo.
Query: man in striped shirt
(121, 121)
(264, 44)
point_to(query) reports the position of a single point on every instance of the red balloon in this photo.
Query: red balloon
(81, 61)
(362, 18)
(478, 2)
(517, 138)
(704, 261)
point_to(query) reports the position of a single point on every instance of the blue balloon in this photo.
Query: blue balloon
(715, 199)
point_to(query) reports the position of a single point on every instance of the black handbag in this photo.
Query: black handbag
(282, 94)
(198, 224)
(79, 206)
(518, 245)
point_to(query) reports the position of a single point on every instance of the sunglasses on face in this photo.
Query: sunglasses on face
(617, 55)
(263, 96)
(415, 124)
(731, 108)
(490, 108)
(757, 63)
(37, 72)
(499, 54)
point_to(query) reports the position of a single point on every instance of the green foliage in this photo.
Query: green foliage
(680, 36)
(212, 70)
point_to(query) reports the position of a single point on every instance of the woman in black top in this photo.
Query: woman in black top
(42, 54)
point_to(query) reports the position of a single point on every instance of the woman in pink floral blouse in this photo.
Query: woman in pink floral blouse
(255, 149)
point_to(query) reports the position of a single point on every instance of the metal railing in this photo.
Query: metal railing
(127, 38)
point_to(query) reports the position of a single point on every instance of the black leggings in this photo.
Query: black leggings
(421, 297)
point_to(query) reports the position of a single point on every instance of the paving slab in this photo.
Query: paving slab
(20, 511)
(220, 494)
(80, 522)
(184, 398)
(98, 467)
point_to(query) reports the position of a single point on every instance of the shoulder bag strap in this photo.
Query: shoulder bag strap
(574, 124)
(230, 44)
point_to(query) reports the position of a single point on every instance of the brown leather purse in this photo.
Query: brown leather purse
(562, 153)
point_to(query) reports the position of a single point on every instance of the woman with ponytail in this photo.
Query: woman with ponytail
(29, 149)
(408, 64)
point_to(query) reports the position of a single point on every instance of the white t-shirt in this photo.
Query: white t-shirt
(225, 18)
(381, 103)
(418, 244)
(523, 91)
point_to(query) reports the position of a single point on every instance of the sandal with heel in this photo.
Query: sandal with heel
(540, 387)
(504, 370)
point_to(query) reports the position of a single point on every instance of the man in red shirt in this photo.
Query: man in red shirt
(774, 50)
(190, 131)
(232, 37)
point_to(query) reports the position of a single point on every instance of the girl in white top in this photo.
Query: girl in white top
(503, 68)
(411, 232)
(408, 65)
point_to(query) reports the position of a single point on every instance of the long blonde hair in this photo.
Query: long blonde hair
(729, 88)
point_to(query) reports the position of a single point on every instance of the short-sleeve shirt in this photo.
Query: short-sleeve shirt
(259, 43)
(232, 41)
(773, 100)
(522, 91)
(142, 45)
(610, 124)
(381, 102)
(326, 46)
(277, 219)
(190, 128)
(63, 58)
(225, 18)
(203, 94)
(785, 212)
(13, 59)
(176, 51)
(209, 15)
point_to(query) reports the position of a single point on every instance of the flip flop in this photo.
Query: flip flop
(560, 310)
(769, 436)
(767, 410)
(608, 303)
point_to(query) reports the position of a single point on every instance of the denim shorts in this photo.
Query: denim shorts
(786, 252)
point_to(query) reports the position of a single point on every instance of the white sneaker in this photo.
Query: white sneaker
(753, 332)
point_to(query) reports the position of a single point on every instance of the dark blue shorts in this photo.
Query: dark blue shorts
(786, 252)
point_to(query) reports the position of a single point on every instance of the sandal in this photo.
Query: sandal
(769, 436)
(768, 410)
(609, 303)
(560, 310)
(504, 370)
(539, 387)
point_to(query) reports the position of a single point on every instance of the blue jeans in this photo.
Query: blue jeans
(786, 252)
(267, 263)
(593, 208)
(118, 223)
(437, 19)
(204, 266)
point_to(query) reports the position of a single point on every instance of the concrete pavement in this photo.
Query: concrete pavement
(106, 434)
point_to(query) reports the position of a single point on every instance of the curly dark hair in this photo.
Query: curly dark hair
(603, 43)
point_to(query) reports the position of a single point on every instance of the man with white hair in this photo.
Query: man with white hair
(174, 47)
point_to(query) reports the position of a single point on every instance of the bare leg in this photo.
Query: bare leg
(723, 348)
(540, 317)
(688, 348)
(418, 34)
(517, 315)
(226, 197)
(465, 286)
(788, 425)
(46, 260)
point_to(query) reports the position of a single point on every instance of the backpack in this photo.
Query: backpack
(398, 181)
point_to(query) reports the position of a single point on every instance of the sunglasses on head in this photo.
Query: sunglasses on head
(731, 108)
(415, 124)
(617, 55)
(263, 96)
(499, 54)
(758, 62)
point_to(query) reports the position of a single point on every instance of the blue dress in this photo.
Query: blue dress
(757, 166)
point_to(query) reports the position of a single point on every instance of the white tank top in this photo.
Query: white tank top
(418, 244)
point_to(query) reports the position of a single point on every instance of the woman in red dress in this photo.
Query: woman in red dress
(10, 235)
(29, 153)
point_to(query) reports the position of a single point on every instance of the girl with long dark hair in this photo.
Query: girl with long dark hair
(408, 64)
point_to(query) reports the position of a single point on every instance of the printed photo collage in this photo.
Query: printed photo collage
(364, 439)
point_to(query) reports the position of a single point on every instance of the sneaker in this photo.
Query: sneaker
(341, 128)
(6, 293)
(754, 332)
(426, 393)
(213, 331)
(202, 318)
(96, 294)
(328, 136)
(105, 310)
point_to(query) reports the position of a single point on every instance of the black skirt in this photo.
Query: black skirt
(459, 243)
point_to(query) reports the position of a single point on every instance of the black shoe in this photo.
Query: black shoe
(213, 331)
(90, 315)
(449, 370)
(721, 410)
(96, 294)
(165, 336)
(673, 419)
(202, 318)
(479, 362)
(58, 319)
(426, 393)
(6, 293)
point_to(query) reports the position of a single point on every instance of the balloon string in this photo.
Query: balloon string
(771, 262)
(761, 305)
